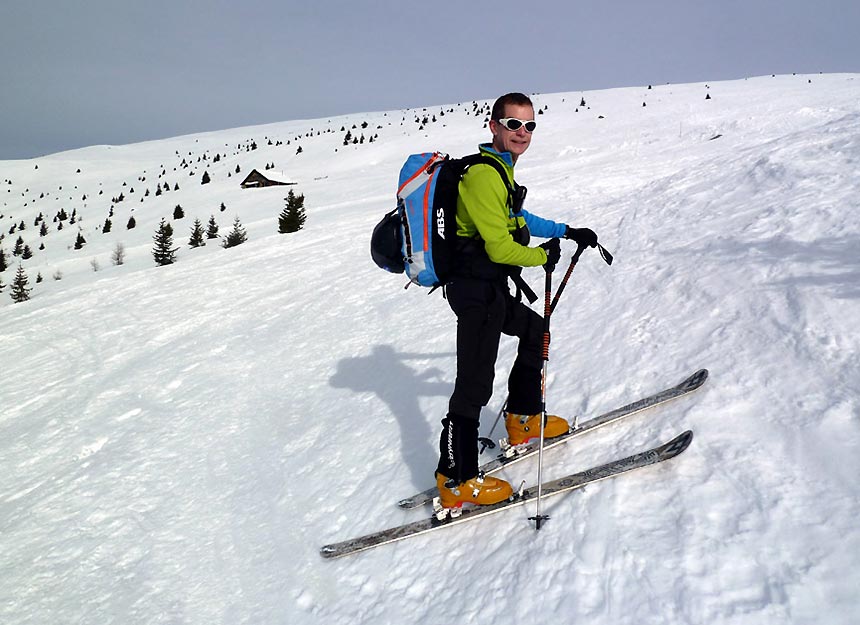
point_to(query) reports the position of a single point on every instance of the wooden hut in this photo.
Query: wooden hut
(256, 179)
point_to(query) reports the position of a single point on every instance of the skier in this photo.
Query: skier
(493, 237)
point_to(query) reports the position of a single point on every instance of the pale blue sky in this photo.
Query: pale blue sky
(77, 73)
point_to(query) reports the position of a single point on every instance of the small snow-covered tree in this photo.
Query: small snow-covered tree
(197, 239)
(212, 228)
(292, 218)
(163, 252)
(236, 236)
(20, 291)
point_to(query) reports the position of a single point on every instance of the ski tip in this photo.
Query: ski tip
(677, 445)
(695, 380)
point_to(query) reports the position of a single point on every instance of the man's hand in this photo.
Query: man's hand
(584, 237)
(553, 253)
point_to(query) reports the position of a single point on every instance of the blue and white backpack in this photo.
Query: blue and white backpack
(419, 236)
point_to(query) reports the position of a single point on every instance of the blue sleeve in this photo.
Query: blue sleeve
(543, 228)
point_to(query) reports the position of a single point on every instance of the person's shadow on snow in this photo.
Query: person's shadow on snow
(385, 372)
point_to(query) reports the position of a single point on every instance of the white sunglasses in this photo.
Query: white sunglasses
(513, 124)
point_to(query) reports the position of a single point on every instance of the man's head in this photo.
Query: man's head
(512, 108)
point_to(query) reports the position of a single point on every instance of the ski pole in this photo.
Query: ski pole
(573, 260)
(604, 253)
(487, 441)
(547, 313)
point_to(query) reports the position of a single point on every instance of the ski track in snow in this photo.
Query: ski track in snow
(178, 442)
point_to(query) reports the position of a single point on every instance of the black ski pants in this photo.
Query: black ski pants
(485, 310)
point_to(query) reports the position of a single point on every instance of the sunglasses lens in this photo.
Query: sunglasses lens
(513, 124)
(530, 126)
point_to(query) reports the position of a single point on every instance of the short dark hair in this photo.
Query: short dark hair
(519, 99)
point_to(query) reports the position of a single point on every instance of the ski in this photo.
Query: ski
(554, 487)
(501, 460)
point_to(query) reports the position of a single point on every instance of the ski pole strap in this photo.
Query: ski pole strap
(604, 253)
(522, 287)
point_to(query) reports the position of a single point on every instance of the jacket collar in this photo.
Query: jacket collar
(505, 157)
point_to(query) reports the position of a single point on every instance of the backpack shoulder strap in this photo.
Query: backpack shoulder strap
(516, 196)
(516, 193)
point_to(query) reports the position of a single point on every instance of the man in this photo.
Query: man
(493, 236)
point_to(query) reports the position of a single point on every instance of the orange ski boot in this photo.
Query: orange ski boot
(482, 490)
(523, 428)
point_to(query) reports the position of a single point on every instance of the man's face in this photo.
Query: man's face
(515, 142)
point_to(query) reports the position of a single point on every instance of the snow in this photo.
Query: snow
(179, 441)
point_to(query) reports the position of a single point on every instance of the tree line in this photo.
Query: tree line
(291, 219)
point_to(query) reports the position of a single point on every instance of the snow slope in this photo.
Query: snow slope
(178, 442)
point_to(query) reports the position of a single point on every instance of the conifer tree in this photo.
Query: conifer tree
(178, 212)
(4, 264)
(292, 218)
(20, 291)
(107, 226)
(80, 241)
(164, 253)
(197, 239)
(131, 223)
(205, 178)
(237, 235)
(212, 228)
